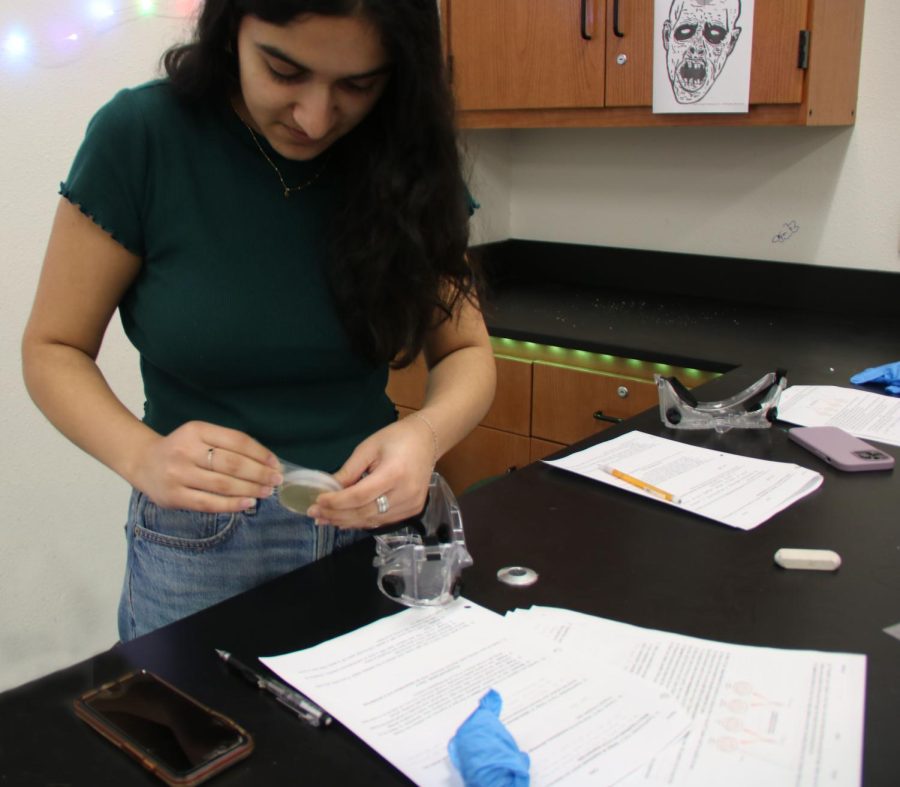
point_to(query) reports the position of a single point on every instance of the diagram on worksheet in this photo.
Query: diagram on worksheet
(701, 55)
(760, 716)
(748, 722)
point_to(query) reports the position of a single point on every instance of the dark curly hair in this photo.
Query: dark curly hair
(397, 260)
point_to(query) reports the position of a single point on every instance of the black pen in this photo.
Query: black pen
(305, 708)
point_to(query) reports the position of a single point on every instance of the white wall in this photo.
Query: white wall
(61, 537)
(724, 192)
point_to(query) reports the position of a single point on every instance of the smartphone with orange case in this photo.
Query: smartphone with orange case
(171, 734)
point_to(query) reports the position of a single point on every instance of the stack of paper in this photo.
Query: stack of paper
(405, 683)
(735, 490)
(591, 701)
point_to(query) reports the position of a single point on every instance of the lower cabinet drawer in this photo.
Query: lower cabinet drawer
(569, 404)
(541, 406)
(484, 453)
(510, 410)
(406, 387)
(543, 448)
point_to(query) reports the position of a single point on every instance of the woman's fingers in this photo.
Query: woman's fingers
(221, 464)
(205, 467)
(385, 479)
(196, 500)
(236, 454)
(372, 502)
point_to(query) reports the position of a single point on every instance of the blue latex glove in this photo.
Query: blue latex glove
(889, 375)
(484, 752)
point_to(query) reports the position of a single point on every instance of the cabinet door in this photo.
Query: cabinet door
(510, 411)
(484, 453)
(629, 53)
(526, 54)
(543, 448)
(775, 77)
(566, 401)
(406, 387)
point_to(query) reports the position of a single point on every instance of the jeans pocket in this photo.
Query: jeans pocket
(180, 528)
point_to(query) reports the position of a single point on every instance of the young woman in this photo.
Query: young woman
(277, 222)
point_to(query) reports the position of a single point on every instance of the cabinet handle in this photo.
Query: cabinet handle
(599, 416)
(584, 33)
(616, 32)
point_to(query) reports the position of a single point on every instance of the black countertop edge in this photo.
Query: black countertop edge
(722, 279)
(560, 294)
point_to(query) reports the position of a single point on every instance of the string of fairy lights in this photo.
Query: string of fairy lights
(66, 32)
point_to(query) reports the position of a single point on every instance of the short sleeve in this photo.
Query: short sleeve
(107, 180)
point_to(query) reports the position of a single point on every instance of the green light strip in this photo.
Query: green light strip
(569, 357)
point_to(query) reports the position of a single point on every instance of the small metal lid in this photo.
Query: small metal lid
(517, 575)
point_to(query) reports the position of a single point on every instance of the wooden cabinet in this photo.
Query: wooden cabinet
(499, 444)
(547, 398)
(571, 404)
(524, 54)
(531, 63)
(486, 452)
(775, 76)
(483, 454)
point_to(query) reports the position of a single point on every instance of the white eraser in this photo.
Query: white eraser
(809, 559)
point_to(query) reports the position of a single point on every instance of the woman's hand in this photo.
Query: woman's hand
(204, 467)
(394, 465)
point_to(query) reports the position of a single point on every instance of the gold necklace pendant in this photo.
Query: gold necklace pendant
(288, 190)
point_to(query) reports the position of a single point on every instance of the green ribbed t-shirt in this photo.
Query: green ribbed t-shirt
(231, 312)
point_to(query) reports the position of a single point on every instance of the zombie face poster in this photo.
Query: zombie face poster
(701, 55)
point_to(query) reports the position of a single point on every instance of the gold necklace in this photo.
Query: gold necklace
(288, 190)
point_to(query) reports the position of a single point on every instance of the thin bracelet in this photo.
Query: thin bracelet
(434, 439)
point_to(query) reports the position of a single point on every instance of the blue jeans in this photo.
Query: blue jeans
(180, 562)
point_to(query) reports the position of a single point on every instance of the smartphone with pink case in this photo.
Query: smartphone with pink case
(841, 449)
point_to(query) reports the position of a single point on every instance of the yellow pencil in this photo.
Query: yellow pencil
(630, 479)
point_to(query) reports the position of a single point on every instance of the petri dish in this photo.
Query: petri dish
(302, 486)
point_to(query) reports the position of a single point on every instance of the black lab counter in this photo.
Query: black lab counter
(598, 549)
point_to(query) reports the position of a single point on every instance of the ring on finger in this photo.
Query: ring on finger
(381, 503)
(209, 457)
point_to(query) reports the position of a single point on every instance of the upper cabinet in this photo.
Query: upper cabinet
(545, 63)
